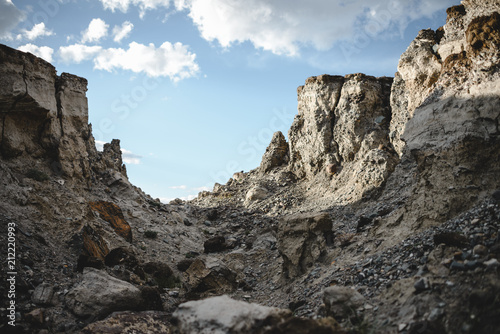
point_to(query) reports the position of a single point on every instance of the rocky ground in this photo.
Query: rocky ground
(381, 214)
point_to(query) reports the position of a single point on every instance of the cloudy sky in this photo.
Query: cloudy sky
(194, 89)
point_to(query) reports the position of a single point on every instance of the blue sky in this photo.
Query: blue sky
(194, 89)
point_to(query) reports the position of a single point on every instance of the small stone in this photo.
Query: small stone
(471, 265)
(35, 317)
(458, 255)
(401, 327)
(379, 120)
(207, 223)
(450, 239)
(421, 285)
(492, 263)
(331, 169)
(446, 262)
(173, 293)
(421, 271)
(436, 314)
(341, 301)
(215, 244)
(187, 222)
(457, 266)
(496, 195)
(43, 294)
(480, 250)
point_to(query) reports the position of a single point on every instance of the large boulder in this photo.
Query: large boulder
(302, 241)
(99, 294)
(223, 315)
(209, 275)
(256, 193)
(341, 302)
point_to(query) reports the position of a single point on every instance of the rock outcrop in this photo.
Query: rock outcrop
(445, 114)
(311, 134)
(339, 118)
(276, 153)
(43, 114)
(340, 136)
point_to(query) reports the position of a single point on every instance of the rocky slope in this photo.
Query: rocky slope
(380, 214)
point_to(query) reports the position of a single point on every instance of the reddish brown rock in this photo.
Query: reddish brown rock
(93, 244)
(112, 213)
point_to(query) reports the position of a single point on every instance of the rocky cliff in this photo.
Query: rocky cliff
(380, 214)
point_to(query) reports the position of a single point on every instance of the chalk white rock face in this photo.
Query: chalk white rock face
(361, 116)
(338, 119)
(418, 69)
(223, 315)
(311, 132)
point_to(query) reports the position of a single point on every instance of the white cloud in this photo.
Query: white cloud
(183, 187)
(130, 158)
(284, 26)
(143, 5)
(204, 188)
(10, 16)
(44, 52)
(120, 32)
(77, 53)
(166, 200)
(97, 30)
(38, 30)
(99, 145)
(170, 60)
